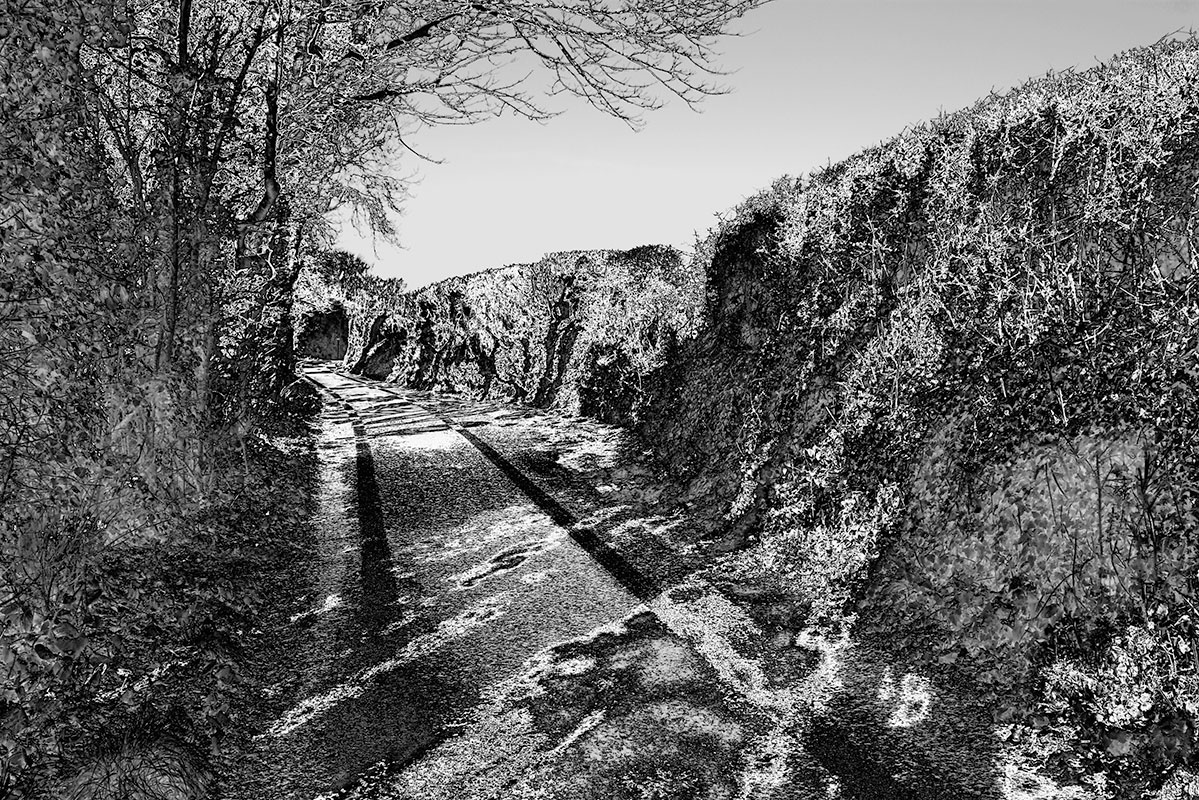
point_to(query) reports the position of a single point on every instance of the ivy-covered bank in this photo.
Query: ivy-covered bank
(949, 385)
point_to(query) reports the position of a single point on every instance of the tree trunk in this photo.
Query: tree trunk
(268, 355)
(373, 336)
(559, 344)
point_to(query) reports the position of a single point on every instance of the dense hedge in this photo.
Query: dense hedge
(534, 333)
(951, 382)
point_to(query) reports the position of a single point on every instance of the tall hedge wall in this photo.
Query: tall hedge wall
(951, 384)
(576, 330)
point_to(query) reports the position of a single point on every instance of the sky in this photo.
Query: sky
(812, 82)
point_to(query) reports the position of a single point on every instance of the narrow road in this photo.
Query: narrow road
(467, 640)
(452, 578)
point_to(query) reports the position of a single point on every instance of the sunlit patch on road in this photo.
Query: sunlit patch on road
(713, 626)
(660, 663)
(330, 602)
(912, 698)
(575, 666)
(435, 439)
(480, 614)
(407, 617)
(507, 560)
(605, 715)
(503, 561)
(477, 535)
(534, 578)
(589, 723)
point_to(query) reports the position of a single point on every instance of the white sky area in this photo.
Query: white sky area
(812, 81)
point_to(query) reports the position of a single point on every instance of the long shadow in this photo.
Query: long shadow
(386, 720)
(636, 582)
(645, 565)
(405, 430)
(379, 591)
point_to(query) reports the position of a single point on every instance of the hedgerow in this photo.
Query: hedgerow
(532, 333)
(951, 383)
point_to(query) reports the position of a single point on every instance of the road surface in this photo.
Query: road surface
(466, 640)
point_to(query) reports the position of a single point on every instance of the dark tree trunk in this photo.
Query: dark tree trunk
(267, 361)
(373, 336)
(526, 367)
(486, 360)
(559, 344)
(427, 357)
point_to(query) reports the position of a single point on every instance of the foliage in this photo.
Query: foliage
(330, 278)
(152, 651)
(949, 383)
(532, 332)
(164, 165)
(82, 467)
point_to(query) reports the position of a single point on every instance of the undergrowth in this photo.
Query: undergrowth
(137, 678)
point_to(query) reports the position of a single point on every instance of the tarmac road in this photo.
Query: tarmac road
(466, 640)
(441, 580)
